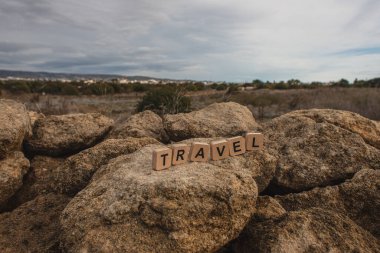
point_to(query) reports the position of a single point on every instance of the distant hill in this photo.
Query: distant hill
(69, 76)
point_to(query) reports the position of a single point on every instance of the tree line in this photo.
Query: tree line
(112, 87)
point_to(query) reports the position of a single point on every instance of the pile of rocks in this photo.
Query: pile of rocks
(77, 183)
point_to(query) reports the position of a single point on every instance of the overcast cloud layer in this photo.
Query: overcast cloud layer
(237, 40)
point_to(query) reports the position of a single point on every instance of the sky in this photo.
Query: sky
(216, 40)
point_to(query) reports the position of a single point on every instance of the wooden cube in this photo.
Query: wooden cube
(236, 145)
(254, 141)
(180, 153)
(219, 150)
(162, 158)
(200, 152)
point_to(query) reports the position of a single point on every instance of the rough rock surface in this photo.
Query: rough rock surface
(350, 121)
(75, 173)
(14, 126)
(312, 153)
(358, 198)
(33, 226)
(67, 134)
(39, 180)
(34, 116)
(128, 207)
(313, 230)
(12, 170)
(259, 163)
(219, 119)
(143, 124)
(267, 208)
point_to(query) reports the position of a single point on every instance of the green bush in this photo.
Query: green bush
(166, 99)
(17, 86)
(138, 87)
(70, 89)
(222, 86)
(101, 89)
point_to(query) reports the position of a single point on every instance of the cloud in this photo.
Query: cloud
(228, 40)
(359, 51)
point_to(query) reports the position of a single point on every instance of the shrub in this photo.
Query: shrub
(139, 87)
(222, 86)
(166, 99)
(17, 86)
(101, 89)
(70, 89)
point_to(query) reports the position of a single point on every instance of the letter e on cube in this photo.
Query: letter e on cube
(236, 145)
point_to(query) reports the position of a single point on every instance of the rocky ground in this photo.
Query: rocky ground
(77, 183)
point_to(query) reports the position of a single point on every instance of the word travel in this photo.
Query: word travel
(164, 158)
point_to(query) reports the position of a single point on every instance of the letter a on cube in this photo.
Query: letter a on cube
(200, 152)
(180, 153)
(162, 158)
(254, 141)
(219, 150)
(236, 145)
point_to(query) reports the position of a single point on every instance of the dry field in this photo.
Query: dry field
(264, 104)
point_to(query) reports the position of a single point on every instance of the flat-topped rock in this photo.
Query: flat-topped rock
(259, 163)
(314, 230)
(33, 226)
(12, 170)
(14, 126)
(128, 207)
(60, 135)
(350, 121)
(358, 198)
(315, 153)
(76, 171)
(219, 119)
(143, 124)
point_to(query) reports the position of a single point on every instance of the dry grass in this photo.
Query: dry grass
(264, 104)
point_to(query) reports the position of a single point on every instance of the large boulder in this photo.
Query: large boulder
(219, 119)
(350, 121)
(358, 198)
(313, 230)
(75, 173)
(60, 135)
(12, 170)
(39, 180)
(14, 126)
(128, 207)
(315, 153)
(143, 124)
(33, 226)
(259, 163)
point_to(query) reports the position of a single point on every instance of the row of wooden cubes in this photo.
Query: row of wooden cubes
(176, 154)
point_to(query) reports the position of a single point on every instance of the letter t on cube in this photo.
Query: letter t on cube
(162, 158)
